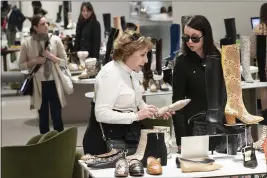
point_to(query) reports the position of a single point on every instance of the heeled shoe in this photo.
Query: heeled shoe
(249, 157)
(163, 86)
(153, 166)
(122, 168)
(173, 107)
(258, 144)
(152, 86)
(136, 168)
(235, 107)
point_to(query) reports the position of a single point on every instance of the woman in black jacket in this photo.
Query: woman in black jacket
(189, 73)
(88, 31)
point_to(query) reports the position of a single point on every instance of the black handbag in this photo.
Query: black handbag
(27, 86)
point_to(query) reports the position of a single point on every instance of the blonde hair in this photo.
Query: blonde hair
(130, 42)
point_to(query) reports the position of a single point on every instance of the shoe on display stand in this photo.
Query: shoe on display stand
(90, 69)
(261, 56)
(230, 29)
(82, 55)
(123, 22)
(245, 58)
(122, 168)
(136, 168)
(175, 40)
(148, 74)
(258, 145)
(235, 107)
(249, 157)
(117, 25)
(107, 24)
(58, 20)
(109, 46)
(70, 23)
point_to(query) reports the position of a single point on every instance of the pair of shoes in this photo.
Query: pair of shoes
(123, 169)
(198, 165)
(153, 166)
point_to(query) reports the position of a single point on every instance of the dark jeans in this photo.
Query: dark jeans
(50, 100)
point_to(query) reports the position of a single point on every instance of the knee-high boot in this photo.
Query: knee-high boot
(235, 107)
(245, 58)
(107, 24)
(147, 71)
(111, 38)
(261, 56)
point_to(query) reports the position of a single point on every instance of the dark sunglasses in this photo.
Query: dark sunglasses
(194, 39)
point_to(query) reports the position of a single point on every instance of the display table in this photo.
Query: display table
(5, 52)
(232, 166)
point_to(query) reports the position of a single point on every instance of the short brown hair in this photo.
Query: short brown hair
(128, 43)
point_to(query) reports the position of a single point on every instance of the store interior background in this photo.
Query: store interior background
(19, 123)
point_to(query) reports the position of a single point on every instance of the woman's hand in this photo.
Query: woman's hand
(147, 112)
(47, 54)
(167, 115)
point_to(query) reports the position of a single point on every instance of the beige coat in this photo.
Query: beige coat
(30, 51)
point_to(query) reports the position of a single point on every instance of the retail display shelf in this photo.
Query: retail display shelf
(76, 80)
(255, 84)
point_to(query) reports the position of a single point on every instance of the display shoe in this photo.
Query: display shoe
(148, 75)
(258, 144)
(136, 168)
(265, 149)
(163, 86)
(90, 69)
(172, 107)
(70, 23)
(152, 86)
(214, 89)
(122, 168)
(249, 157)
(235, 107)
(82, 55)
(107, 24)
(117, 24)
(245, 58)
(167, 138)
(106, 161)
(189, 166)
(89, 156)
(151, 144)
(159, 57)
(175, 39)
(123, 22)
(73, 67)
(204, 160)
(261, 56)
(230, 28)
(59, 14)
(109, 46)
(153, 166)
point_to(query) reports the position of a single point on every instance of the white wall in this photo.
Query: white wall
(217, 11)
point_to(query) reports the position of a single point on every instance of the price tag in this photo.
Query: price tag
(248, 155)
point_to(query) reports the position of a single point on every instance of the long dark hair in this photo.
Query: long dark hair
(35, 20)
(263, 13)
(201, 23)
(89, 7)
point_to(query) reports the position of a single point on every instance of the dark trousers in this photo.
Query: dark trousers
(50, 100)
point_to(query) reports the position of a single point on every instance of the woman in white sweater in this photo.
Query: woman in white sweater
(118, 97)
(41, 48)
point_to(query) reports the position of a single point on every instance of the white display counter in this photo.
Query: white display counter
(232, 166)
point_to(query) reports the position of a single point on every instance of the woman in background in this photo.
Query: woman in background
(88, 31)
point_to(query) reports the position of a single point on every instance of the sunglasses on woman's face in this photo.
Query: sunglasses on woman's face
(194, 39)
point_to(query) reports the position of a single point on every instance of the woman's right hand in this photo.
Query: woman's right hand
(39, 60)
(147, 112)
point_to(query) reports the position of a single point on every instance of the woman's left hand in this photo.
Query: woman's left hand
(167, 115)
